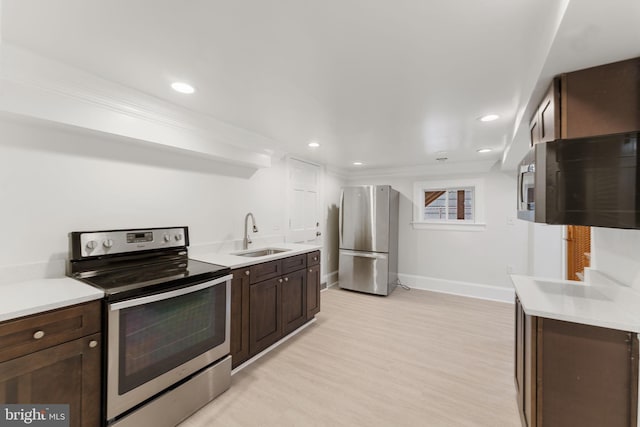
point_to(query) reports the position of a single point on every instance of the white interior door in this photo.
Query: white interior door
(304, 202)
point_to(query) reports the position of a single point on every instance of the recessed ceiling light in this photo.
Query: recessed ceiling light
(182, 87)
(314, 144)
(489, 118)
(484, 150)
(357, 163)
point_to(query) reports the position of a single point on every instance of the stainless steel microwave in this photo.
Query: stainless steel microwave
(526, 187)
(584, 181)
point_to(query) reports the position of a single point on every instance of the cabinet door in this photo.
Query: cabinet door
(588, 375)
(265, 316)
(294, 301)
(548, 114)
(601, 100)
(240, 316)
(313, 291)
(68, 373)
(534, 130)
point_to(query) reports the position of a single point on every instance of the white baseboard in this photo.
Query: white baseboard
(331, 279)
(467, 289)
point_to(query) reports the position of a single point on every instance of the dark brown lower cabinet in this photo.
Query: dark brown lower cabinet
(274, 307)
(294, 301)
(67, 373)
(239, 328)
(265, 315)
(571, 374)
(313, 291)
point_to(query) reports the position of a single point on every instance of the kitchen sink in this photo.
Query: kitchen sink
(261, 252)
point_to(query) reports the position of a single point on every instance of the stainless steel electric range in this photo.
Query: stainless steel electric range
(166, 323)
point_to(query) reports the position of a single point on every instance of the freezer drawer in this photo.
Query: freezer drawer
(364, 272)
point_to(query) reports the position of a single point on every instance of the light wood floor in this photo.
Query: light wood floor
(415, 358)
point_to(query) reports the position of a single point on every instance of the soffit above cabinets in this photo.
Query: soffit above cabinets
(40, 88)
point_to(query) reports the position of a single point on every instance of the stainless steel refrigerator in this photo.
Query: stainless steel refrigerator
(368, 227)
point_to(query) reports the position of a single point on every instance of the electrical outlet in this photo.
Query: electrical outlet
(510, 220)
(509, 269)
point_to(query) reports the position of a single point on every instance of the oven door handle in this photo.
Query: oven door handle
(166, 295)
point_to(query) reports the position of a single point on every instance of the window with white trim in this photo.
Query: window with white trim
(449, 204)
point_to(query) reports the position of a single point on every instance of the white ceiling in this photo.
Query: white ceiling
(388, 83)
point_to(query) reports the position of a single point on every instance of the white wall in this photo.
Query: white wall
(473, 257)
(547, 252)
(332, 184)
(54, 180)
(616, 253)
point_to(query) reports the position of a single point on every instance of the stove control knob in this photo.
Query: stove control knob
(166, 238)
(92, 244)
(107, 243)
(178, 237)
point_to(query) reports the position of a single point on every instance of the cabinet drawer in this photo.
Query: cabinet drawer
(28, 334)
(294, 263)
(264, 271)
(313, 258)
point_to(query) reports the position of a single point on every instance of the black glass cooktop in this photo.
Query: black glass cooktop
(152, 278)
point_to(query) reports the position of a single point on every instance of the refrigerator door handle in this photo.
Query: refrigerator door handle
(365, 254)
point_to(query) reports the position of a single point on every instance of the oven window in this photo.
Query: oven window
(159, 336)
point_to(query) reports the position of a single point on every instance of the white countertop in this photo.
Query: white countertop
(36, 296)
(235, 261)
(23, 298)
(597, 303)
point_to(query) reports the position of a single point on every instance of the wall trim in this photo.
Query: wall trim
(453, 287)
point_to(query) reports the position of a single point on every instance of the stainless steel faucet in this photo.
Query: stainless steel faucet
(247, 240)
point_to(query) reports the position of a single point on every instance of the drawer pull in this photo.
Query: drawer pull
(315, 258)
(38, 335)
(246, 272)
(310, 270)
(286, 279)
(279, 280)
(93, 343)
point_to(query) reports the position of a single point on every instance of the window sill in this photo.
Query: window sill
(447, 226)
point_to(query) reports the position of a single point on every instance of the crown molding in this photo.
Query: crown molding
(426, 170)
(337, 172)
(38, 87)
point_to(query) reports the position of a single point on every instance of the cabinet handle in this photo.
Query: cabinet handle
(286, 279)
(93, 344)
(315, 258)
(246, 272)
(311, 270)
(280, 280)
(38, 334)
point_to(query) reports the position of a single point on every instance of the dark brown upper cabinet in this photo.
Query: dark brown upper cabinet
(595, 101)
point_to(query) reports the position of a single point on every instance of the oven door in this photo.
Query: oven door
(157, 340)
